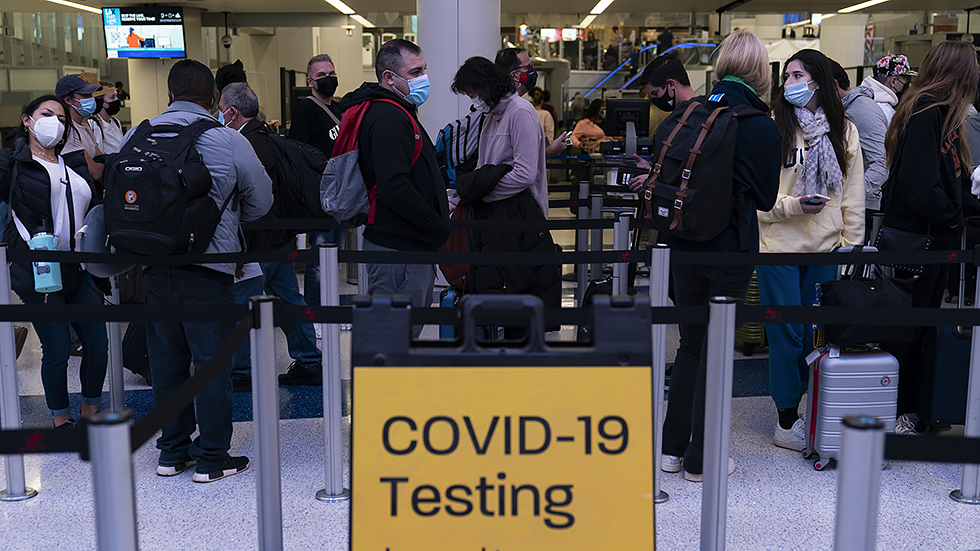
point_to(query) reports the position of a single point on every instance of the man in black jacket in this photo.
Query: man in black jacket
(410, 211)
(239, 107)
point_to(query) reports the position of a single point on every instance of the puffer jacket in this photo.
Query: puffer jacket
(30, 198)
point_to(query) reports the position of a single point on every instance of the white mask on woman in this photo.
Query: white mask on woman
(48, 130)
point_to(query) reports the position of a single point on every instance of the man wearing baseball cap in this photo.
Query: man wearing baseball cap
(78, 93)
(892, 76)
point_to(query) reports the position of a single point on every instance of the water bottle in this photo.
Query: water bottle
(47, 275)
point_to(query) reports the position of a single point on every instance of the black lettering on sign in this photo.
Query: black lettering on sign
(524, 449)
(386, 433)
(427, 440)
(394, 492)
(481, 450)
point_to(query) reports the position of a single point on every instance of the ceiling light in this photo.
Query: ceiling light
(341, 7)
(816, 18)
(861, 6)
(587, 21)
(827, 16)
(798, 23)
(601, 7)
(364, 22)
(77, 6)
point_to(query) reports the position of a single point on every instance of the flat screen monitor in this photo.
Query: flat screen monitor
(621, 111)
(549, 35)
(571, 34)
(144, 32)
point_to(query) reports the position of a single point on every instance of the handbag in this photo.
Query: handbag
(867, 291)
(890, 239)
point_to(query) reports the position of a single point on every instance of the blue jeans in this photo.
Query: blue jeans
(790, 343)
(55, 343)
(277, 279)
(173, 347)
(414, 280)
(684, 425)
(311, 277)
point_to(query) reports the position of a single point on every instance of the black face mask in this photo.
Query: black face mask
(113, 107)
(99, 102)
(326, 86)
(664, 102)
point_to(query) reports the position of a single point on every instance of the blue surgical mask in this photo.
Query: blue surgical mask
(87, 106)
(418, 89)
(221, 116)
(798, 93)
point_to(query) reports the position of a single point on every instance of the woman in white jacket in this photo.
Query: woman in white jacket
(820, 207)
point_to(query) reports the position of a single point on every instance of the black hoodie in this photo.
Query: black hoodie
(412, 212)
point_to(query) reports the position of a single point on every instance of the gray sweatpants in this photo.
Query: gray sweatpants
(414, 280)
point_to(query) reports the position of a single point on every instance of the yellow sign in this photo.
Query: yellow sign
(502, 459)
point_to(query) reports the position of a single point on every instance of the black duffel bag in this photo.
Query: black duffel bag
(864, 289)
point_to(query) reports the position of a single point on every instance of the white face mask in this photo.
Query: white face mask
(480, 105)
(48, 130)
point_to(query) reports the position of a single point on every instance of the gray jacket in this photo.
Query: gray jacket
(861, 108)
(232, 163)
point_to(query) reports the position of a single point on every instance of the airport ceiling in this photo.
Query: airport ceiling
(581, 7)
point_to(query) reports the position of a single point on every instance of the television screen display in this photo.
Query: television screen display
(146, 32)
(571, 34)
(549, 35)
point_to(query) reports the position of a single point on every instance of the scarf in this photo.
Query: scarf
(821, 172)
(733, 78)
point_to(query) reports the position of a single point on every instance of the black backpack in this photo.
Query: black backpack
(690, 192)
(300, 167)
(156, 192)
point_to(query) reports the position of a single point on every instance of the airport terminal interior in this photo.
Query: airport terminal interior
(776, 499)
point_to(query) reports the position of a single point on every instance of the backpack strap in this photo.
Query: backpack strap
(326, 109)
(373, 191)
(686, 173)
(652, 182)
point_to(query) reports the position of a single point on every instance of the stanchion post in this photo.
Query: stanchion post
(582, 243)
(110, 451)
(362, 276)
(595, 244)
(265, 420)
(117, 388)
(969, 491)
(717, 421)
(859, 483)
(621, 242)
(659, 280)
(333, 458)
(17, 489)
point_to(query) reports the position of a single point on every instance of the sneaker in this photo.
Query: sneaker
(20, 337)
(69, 424)
(299, 375)
(174, 470)
(241, 385)
(671, 463)
(234, 466)
(346, 326)
(904, 425)
(793, 438)
(316, 330)
(76, 349)
(700, 477)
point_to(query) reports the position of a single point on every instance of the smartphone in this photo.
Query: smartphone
(566, 137)
(817, 199)
(627, 173)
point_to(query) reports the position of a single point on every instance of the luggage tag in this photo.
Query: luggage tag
(812, 357)
(818, 335)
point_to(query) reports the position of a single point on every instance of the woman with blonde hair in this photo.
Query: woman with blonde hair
(929, 165)
(755, 178)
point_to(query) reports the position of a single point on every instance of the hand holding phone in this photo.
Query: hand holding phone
(816, 199)
(566, 137)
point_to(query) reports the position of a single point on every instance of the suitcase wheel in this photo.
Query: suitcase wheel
(809, 454)
(884, 464)
(748, 349)
(822, 464)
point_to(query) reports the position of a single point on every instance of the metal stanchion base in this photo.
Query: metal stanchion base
(957, 495)
(322, 496)
(28, 494)
(662, 498)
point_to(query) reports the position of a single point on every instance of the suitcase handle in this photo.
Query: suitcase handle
(513, 311)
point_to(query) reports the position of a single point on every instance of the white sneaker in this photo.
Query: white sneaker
(904, 425)
(316, 329)
(671, 463)
(793, 438)
(700, 477)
